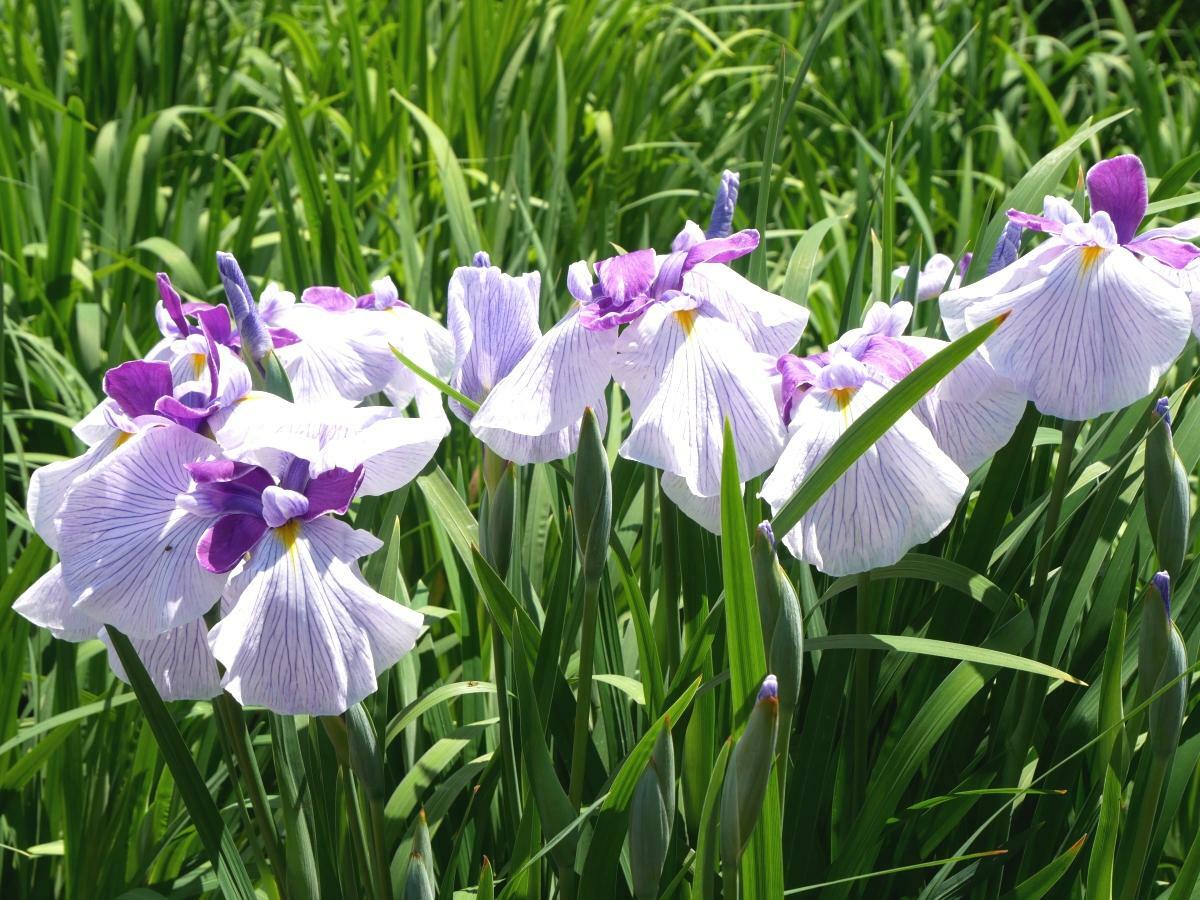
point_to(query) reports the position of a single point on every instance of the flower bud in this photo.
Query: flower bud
(1168, 500)
(748, 774)
(252, 331)
(721, 223)
(418, 884)
(1162, 659)
(363, 746)
(651, 814)
(481, 260)
(592, 498)
(487, 882)
(779, 612)
(1007, 248)
(1154, 634)
(496, 516)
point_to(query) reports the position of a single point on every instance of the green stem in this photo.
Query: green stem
(1058, 490)
(1143, 826)
(583, 694)
(233, 724)
(860, 698)
(511, 800)
(383, 877)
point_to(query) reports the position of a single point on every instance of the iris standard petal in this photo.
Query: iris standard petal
(339, 355)
(48, 604)
(685, 373)
(179, 662)
(972, 412)
(565, 371)
(769, 323)
(494, 320)
(1117, 186)
(306, 634)
(900, 493)
(128, 551)
(1092, 335)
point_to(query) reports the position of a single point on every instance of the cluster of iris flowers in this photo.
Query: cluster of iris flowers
(203, 520)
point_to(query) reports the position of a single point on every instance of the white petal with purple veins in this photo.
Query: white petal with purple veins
(1092, 335)
(48, 486)
(179, 662)
(306, 634)
(686, 372)
(48, 604)
(339, 355)
(900, 493)
(1187, 279)
(769, 323)
(704, 511)
(128, 552)
(972, 412)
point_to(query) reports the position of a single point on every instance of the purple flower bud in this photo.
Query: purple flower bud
(965, 263)
(721, 223)
(1162, 409)
(768, 533)
(172, 303)
(1007, 248)
(1162, 584)
(769, 689)
(252, 330)
(481, 260)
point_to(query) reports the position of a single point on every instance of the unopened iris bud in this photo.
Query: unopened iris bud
(418, 885)
(780, 615)
(749, 774)
(592, 498)
(481, 260)
(721, 223)
(1007, 248)
(252, 331)
(497, 515)
(363, 746)
(651, 813)
(1162, 660)
(1168, 500)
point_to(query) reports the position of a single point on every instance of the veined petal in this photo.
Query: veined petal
(1117, 186)
(686, 372)
(493, 317)
(179, 662)
(900, 493)
(704, 511)
(307, 635)
(525, 449)
(1187, 279)
(565, 371)
(339, 355)
(48, 486)
(1092, 335)
(769, 323)
(48, 604)
(128, 552)
(972, 412)
(392, 450)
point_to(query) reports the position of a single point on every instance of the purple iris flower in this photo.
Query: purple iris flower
(939, 274)
(690, 340)
(1092, 327)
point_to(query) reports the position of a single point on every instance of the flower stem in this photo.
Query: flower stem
(583, 694)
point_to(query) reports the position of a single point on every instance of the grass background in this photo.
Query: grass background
(334, 142)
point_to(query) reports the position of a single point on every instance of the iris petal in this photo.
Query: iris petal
(179, 662)
(48, 604)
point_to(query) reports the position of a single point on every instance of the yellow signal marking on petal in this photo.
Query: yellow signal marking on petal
(843, 397)
(122, 438)
(199, 361)
(288, 532)
(1090, 255)
(687, 320)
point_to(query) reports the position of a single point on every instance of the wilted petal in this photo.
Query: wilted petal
(565, 371)
(179, 662)
(128, 551)
(972, 412)
(307, 635)
(900, 493)
(1092, 335)
(769, 323)
(48, 604)
(686, 372)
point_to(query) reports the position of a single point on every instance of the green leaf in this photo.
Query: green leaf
(1100, 863)
(871, 425)
(1040, 883)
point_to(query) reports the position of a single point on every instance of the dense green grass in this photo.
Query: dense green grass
(334, 142)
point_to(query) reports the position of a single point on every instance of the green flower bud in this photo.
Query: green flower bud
(1162, 651)
(782, 625)
(363, 747)
(1168, 500)
(423, 845)
(748, 774)
(496, 518)
(418, 885)
(487, 883)
(651, 814)
(593, 498)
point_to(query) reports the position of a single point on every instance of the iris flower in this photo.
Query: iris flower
(1092, 328)
(901, 492)
(690, 341)
(939, 274)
